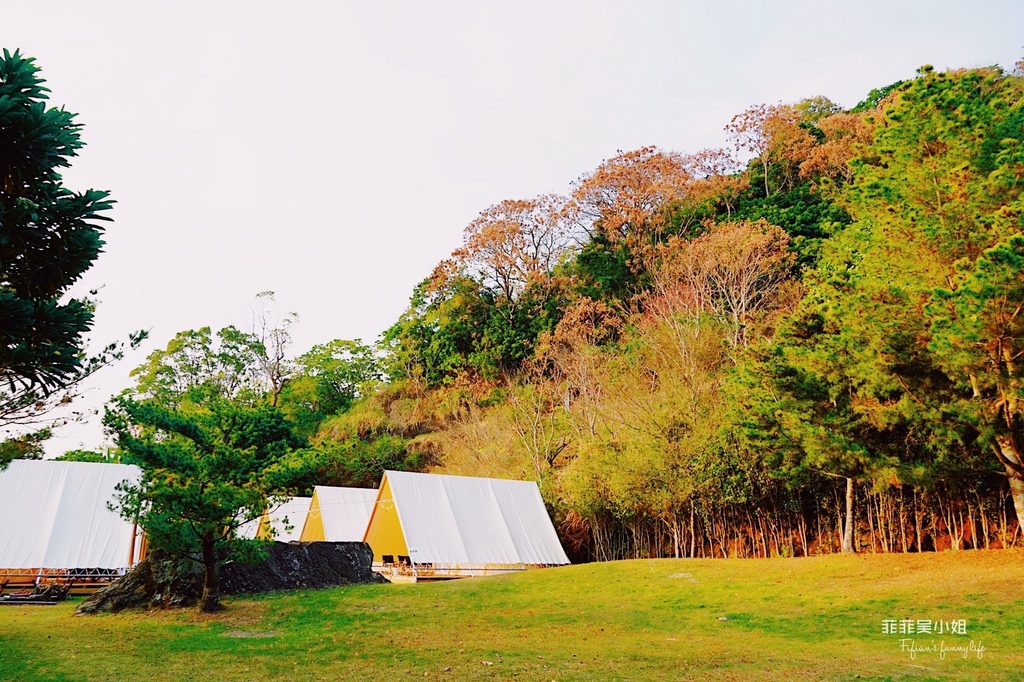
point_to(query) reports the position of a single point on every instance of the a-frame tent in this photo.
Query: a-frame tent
(286, 519)
(56, 522)
(460, 526)
(338, 514)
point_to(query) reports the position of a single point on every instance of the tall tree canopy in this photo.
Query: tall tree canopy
(49, 236)
(901, 360)
(213, 449)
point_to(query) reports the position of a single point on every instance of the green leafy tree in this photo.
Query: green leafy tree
(361, 461)
(25, 446)
(807, 216)
(330, 377)
(110, 456)
(212, 448)
(465, 328)
(603, 270)
(196, 366)
(49, 236)
(812, 405)
(433, 338)
(875, 97)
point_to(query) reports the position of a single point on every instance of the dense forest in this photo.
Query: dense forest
(804, 342)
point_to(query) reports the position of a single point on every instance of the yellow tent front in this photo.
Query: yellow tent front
(459, 525)
(338, 514)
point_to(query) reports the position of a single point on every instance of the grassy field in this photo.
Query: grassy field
(792, 619)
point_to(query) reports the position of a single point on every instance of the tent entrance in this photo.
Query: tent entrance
(384, 533)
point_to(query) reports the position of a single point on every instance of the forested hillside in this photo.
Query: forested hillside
(806, 341)
(705, 355)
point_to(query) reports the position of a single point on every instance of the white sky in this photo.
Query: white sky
(333, 152)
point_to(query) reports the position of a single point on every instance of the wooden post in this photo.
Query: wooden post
(131, 547)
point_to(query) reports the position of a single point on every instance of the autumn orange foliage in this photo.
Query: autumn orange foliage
(845, 136)
(511, 244)
(626, 198)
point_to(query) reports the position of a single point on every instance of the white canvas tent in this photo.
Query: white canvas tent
(54, 517)
(459, 525)
(286, 519)
(338, 514)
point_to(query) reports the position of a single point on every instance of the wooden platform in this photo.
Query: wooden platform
(83, 582)
(405, 572)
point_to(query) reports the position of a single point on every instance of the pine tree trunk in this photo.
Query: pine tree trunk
(210, 601)
(848, 529)
(871, 521)
(1013, 474)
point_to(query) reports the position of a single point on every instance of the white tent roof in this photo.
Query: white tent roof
(345, 512)
(250, 529)
(470, 521)
(55, 515)
(295, 511)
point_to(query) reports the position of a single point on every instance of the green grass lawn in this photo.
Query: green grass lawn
(792, 619)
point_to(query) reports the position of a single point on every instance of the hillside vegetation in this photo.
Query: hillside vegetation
(808, 341)
(782, 619)
(803, 342)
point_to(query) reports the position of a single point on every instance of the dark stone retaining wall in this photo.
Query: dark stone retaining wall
(302, 564)
(159, 581)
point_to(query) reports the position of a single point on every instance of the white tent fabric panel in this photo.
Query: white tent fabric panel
(291, 514)
(428, 522)
(345, 512)
(474, 521)
(55, 515)
(528, 523)
(481, 525)
(250, 529)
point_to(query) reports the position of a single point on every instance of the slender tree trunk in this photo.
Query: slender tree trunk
(1004, 537)
(871, 520)
(917, 522)
(848, 529)
(1014, 466)
(984, 520)
(819, 513)
(693, 534)
(839, 523)
(903, 522)
(803, 534)
(210, 601)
